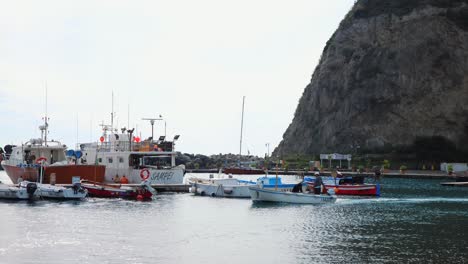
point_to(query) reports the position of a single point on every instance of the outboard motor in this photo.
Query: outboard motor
(31, 188)
(77, 188)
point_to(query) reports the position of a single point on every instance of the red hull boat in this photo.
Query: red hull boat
(347, 186)
(95, 189)
(63, 173)
(26, 161)
(356, 189)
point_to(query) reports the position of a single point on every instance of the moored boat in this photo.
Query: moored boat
(131, 192)
(23, 191)
(75, 192)
(259, 194)
(234, 188)
(124, 155)
(25, 161)
(2, 157)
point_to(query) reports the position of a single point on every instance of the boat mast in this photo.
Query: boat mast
(112, 113)
(45, 118)
(242, 126)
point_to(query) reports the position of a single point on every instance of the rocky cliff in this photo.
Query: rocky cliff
(394, 71)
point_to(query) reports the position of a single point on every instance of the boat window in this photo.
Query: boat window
(157, 161)
(110, 160)
(134, 161)
(121, 159)
(100, 160)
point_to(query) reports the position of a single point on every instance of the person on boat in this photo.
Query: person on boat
(20, 179)
(339, 175)
(297, 188)
(124, 180)
(318, 184)
(377, 174)
(117, 179)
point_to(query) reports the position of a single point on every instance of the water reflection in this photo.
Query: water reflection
(413, 221)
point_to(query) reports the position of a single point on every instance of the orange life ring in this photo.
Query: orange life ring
(40, 160)
(144, 174)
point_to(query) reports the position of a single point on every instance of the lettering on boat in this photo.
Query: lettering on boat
(162, 175)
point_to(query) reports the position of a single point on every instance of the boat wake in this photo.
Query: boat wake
(402, 200)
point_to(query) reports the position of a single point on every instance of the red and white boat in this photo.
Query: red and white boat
(125, 155)
(347, 185)
(25, 161)
(142, 191)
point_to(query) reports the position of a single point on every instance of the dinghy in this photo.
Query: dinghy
(49, 191)
(24, 191)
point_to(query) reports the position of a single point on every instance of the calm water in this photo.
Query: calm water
(415, 221)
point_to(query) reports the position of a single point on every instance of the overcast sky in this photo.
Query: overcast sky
(189, 61)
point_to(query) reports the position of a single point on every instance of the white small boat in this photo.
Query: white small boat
(221, 187)
(23, 191)
(232, 187)
(269, 195)
(49, 191)
(52, 191)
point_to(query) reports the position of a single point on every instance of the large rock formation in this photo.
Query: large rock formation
(395, 70)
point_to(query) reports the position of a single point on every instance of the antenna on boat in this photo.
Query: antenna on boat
(91, 129)
(43, 128)
(105, 128)
(112, 113)
(152, 125)
(77, 125)
(242, 126)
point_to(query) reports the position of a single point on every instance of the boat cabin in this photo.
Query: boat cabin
(29, 153)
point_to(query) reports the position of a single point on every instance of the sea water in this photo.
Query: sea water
(414, 221)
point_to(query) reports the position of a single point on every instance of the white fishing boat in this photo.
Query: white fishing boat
(234, 188)
(23, 162)
(271, 195)
(23, 191)
(124, 155)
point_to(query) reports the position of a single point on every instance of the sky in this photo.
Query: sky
(189, 61)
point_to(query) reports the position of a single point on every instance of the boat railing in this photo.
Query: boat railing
(41, 143)
(14, 160)
(134, 146)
